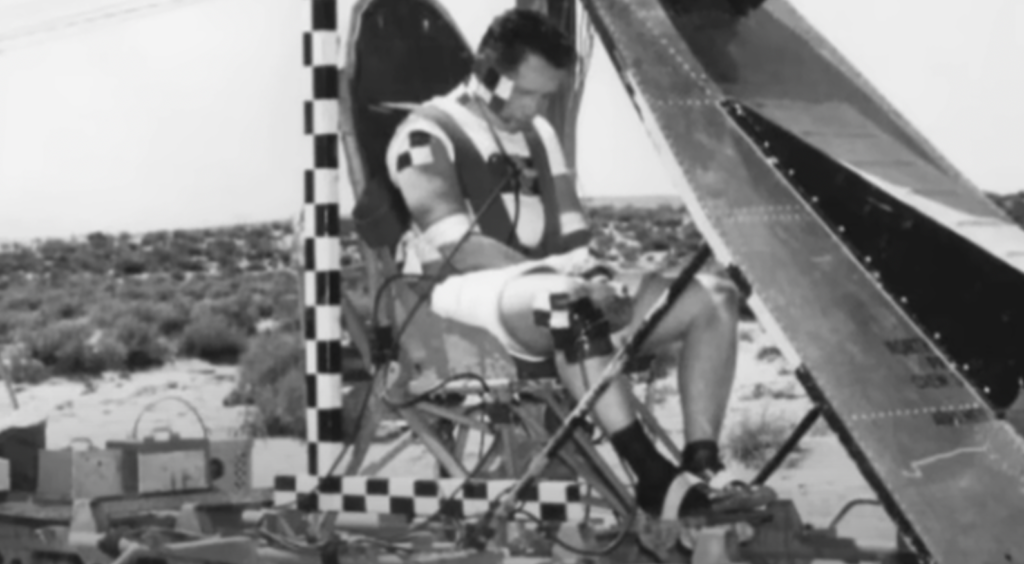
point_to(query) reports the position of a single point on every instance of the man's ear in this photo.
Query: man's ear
(484, 65)
(479, 64)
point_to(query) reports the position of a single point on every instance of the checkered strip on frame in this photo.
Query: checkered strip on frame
(552, 500)
(321, 240)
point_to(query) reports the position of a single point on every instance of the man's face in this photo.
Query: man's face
(536, 81)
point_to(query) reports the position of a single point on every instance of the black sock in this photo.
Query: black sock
(702, 458)
(653, 472)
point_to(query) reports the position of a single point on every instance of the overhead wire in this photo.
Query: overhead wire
(74, 21)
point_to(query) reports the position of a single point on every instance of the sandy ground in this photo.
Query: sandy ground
(820, 479)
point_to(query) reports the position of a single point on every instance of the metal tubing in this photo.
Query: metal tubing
(776, 461)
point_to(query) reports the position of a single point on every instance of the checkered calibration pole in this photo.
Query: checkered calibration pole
(322, 242)
(321, 273)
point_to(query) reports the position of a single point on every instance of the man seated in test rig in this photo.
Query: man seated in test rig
(525, 263)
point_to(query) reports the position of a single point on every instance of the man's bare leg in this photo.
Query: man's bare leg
(701, 325)
(703, 328)
(702, 320)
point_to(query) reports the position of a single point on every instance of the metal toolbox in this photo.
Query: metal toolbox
(164, 462)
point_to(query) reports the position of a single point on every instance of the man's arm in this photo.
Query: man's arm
(420, 162)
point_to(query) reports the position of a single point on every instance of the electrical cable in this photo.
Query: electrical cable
(83, 19)
(407, 403)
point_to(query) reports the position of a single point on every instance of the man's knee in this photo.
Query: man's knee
(724, 299)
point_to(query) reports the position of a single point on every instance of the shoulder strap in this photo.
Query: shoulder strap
(548, 195)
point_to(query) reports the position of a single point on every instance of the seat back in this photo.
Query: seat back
(405, 52)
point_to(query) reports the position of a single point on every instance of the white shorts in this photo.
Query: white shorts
(474, 299)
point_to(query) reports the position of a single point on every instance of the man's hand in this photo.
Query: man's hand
(581, 262)
(612, 300)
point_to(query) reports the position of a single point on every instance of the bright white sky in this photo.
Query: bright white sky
(192, 115)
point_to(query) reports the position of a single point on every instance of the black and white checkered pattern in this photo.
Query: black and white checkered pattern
(321, 238)
(552, 312)
(416, 152)
(560, 501)
(578, 328)
(494, 88)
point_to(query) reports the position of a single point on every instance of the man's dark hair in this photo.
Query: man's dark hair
(518, 32)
